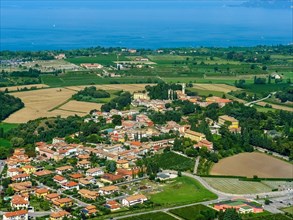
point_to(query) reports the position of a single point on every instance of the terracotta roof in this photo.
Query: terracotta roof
(121, 161)
(16, 213)
(135, 197)
(109, 188)
(63, 200)
(43, 173)
(59, 214)
(58, 178)
(64, 168)
(93, 170)
(76, 175)
(112, 177)
(42, 190)
(52, 195)
(18, 200)
(91, 207)
(70, 184)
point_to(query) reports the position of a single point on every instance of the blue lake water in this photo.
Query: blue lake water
(64, 24)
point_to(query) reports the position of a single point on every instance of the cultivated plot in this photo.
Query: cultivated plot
(251, 164)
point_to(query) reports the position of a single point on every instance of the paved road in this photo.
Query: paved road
(259, 100)
(196, 165)
(80, 203)
(272, 152)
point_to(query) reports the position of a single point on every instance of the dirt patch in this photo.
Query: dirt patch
(250, 164)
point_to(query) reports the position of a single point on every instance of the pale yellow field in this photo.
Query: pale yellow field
(38, 103)
(280, 107)
(80, 107)
(250, 164)
(215, 87)
(15, 88)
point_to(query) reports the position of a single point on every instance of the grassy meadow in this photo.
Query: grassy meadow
(182, 190)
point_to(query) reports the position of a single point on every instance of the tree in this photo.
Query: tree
(17, 142)
(111, 166)
(9, 191)
(116, 120)
(45, 205)
(231, 214)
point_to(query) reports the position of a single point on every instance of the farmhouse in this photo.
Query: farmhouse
(133, 200)
(195, 136)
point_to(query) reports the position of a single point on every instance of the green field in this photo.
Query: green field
(4, 143)
(202, 92)
(151, 216)
(182, 190)
(86, 78)
(108, 59)
(266, 88)
(288, 209)
(236, 186)
(270, 217)
(192, 212)
(7, 126)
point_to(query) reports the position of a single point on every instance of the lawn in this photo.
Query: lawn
(192, 212)
(151, 216)
(182, 190)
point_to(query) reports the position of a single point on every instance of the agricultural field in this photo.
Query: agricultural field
(236, 186)
(270, 217)
(50, 102)
(103, 59)
(79, 107)
(192, 212)
(280, 107)
(251, 164)
(16, 88)
(215, 87)
(182, 190)
(151, 216)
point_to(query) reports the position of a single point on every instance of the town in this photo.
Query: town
(117, 170)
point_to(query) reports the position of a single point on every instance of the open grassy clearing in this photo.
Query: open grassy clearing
(7, 126)
(236, 186)
(151, 216)
(38, 103)
(182, 190)
(202, 92)
(270, 217)
(5, 143)
(215, 87)
(192, 212)
(250, 164)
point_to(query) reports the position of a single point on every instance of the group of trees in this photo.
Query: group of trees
(9, 104)
(286, 95)
(119, 103)
(90, 92)
(160, 91)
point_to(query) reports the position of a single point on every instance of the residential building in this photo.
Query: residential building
(89, 210)
(233, 123)
(59, 179)
(112, 205)
(70, 185)
(193, 135)
(59, 215)
(107, 190)
(63, 202)
(111, 178)
(19, 202)
(95, 172)
(62, 169)
(88, 194)
(134, 199)
(16, 215)
(28, 169)
(122, 164)
(205, 143)
(42, 192)
(52, 196)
